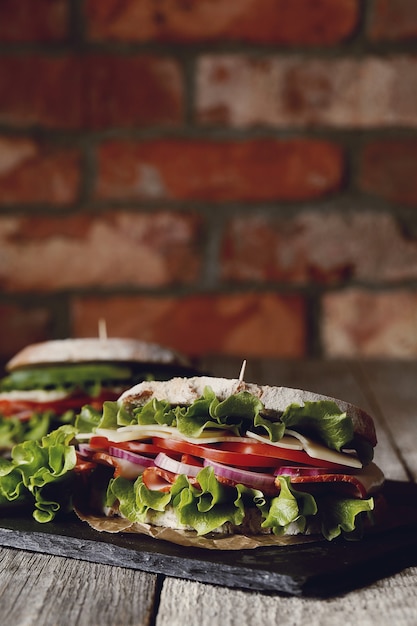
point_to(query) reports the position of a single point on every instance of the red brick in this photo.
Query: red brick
(393, 20)
(323, 22)
(91, 91)
(360, 323)
(389, 170)
(317, 247)
(263, 169)
(21, 23)
(21, 325)
(243, 91)
(120, 249)
(35, 172)
(129, 91)
(40, 90)
(262, 324)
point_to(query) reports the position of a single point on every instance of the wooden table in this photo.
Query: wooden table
(43, 590)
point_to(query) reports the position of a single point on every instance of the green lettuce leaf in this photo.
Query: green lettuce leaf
(109, 415)
(236, 413)
(40, 471)
(41, 462)
(156, 412)
(203, 509)
(134, 498)
(321, 419)
(88, 378)
(13, 430)
(342, 516)
(274, 429)
(242, 406)
(88, 419)
(288, 507)
(209, 507)
(11, 485)
(114, 416)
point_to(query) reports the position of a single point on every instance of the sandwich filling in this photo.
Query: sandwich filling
(35, 400)
(226, 464)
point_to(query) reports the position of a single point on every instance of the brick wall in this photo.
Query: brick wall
(231, 177)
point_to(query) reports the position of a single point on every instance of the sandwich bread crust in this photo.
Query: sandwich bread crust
(94, 350)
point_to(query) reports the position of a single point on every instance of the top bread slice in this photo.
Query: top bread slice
(184, 391)
(95, 349)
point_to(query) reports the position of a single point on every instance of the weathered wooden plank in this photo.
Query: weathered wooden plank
(53, 591)
(392, 388)
(389, 601)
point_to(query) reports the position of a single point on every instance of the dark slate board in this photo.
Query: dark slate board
(315, 569)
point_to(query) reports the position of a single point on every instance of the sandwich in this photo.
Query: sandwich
(46, 384)
(211, 462)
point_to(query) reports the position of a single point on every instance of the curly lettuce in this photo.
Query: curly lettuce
(235, 413)
(289, 507)
(343, 516)
(14, 430)
(39, 474)
(209, 504)
(322, 420)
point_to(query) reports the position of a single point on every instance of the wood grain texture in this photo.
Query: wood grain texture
(392, 388)
(37, 589)
(388, 602)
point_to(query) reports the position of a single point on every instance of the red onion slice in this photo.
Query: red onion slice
(177, 467)
(257, 480)
(132, 457)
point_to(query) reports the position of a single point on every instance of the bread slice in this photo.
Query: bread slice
(184, 391)
(95, 349)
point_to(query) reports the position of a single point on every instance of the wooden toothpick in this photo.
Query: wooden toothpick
(242, 371)
(102, 328)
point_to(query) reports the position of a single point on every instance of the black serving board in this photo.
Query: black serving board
(313, 569)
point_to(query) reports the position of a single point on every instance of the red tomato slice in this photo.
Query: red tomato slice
(188, 459)
(13, 407)
(216, 454)
(100, 443)
(139, 446)
(265, 449)
(244, 455)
